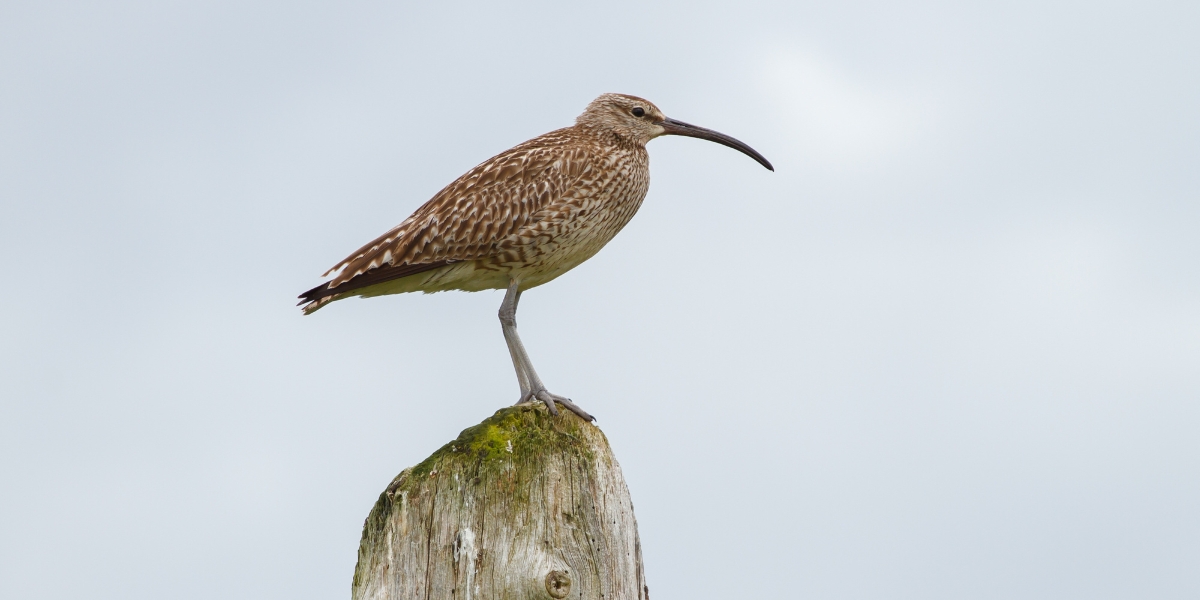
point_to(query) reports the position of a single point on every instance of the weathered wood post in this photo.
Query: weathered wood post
(524, 505)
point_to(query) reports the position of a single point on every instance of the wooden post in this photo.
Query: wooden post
(524, 505)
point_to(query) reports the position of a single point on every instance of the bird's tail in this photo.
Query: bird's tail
(312, 300)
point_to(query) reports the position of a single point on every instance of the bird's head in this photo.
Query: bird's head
(639, 121)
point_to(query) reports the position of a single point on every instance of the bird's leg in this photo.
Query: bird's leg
(531, 384)
(508, 323)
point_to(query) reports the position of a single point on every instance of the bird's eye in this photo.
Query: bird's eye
(638, 111)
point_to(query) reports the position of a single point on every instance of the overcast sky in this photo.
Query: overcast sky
(950, 349)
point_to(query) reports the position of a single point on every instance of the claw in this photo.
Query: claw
(579, 411)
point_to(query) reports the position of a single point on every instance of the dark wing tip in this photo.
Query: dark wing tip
(323, 294)
(314, 294)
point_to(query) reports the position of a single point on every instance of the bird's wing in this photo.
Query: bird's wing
(470, 216)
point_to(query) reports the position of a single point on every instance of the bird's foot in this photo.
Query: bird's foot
(549, 399)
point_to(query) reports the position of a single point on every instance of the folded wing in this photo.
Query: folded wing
(464, 221)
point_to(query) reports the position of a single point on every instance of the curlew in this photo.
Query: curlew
(521, 219)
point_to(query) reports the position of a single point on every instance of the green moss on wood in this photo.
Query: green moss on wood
(513, 435)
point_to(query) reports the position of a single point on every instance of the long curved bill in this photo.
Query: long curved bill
(674, 127)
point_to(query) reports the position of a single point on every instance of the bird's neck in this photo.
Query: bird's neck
(609, 136)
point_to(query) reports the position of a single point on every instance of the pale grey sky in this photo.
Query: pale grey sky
(949, 349)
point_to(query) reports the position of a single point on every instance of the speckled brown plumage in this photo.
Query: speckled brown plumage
(532, 213)
(521, 218)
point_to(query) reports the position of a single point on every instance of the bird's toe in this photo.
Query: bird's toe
(571, 406)
(549, 399)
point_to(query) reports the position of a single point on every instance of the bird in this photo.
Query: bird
(521, 219)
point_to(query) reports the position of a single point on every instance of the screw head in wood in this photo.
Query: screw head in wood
(558, 584)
